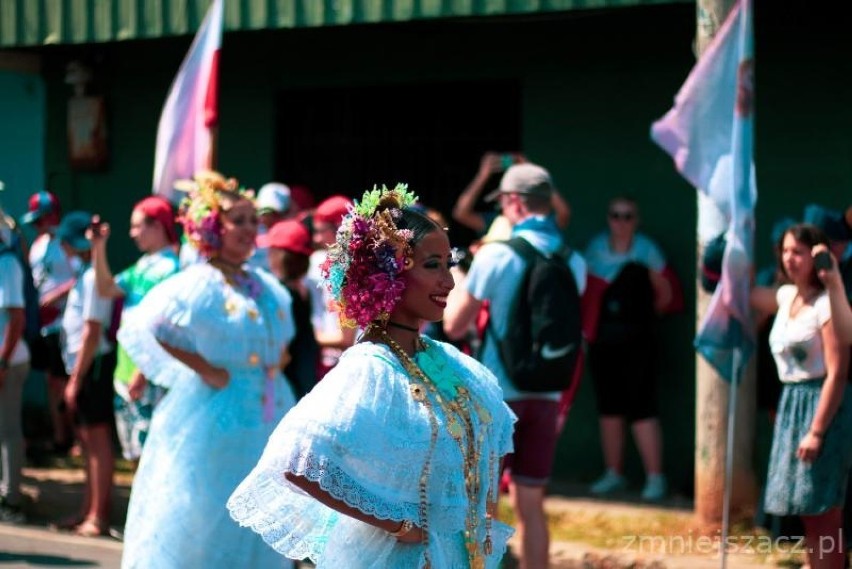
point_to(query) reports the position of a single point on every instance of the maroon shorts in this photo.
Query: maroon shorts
(535, 441)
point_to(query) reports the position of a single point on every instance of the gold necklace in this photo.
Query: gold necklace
(457, 412)
(231, 273)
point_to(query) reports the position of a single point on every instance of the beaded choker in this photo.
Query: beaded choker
(458, 414)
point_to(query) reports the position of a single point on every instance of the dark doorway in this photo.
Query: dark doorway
(430, 136)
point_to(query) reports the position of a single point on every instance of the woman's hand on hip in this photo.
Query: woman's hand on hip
(216, 377)
(415, 535)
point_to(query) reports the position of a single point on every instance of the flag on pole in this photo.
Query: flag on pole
(184, 138)
(709, 134)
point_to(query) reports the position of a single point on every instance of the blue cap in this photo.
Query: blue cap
(779, 228)
(72, 230)
(830, 221)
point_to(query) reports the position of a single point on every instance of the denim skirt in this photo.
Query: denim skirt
(794, 487)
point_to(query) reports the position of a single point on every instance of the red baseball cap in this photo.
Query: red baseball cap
(289, 235)
(331, 210)
(41, 204)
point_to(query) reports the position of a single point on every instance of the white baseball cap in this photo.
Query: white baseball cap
(273, 197)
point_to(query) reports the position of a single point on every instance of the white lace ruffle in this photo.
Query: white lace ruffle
(362, 438)
(189, 310)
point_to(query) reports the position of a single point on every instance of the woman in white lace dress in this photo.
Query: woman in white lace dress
(392, 460)
(213, 335)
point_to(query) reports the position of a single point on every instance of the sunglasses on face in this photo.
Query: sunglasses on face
(622, 215)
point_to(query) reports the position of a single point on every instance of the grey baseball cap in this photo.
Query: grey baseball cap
(526, 179)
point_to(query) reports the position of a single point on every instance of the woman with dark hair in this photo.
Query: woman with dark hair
(214, 335)
(811, 456)
(393, 459)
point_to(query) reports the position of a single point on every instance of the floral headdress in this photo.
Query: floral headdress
(200, 211)
(363, 270)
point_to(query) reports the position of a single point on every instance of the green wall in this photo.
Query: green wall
(592, 84)
(22, 144)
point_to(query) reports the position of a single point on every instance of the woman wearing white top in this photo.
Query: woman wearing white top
(811, 455)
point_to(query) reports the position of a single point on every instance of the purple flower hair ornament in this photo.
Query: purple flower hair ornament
(363, 269)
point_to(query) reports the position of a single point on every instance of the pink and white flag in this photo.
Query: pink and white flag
(709, 134)
(184, 138)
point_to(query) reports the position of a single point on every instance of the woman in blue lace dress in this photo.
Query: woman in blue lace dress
(392, 460)
(213, 335)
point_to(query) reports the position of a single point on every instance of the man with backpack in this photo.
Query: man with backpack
(532, 284)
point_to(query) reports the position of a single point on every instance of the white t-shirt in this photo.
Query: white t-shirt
(12, 296)
(606, 263)
(84, 304)
(49, 263)
(796, 343)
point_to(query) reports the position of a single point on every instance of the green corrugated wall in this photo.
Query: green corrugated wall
(49, 22)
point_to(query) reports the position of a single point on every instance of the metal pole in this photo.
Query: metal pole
(729, 456)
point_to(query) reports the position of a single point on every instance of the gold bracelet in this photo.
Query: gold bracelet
(405, 527)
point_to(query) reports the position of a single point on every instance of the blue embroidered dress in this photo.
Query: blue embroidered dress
(204, 441)
(364, 438)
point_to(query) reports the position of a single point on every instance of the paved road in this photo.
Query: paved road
(27, 547)
(53, 493)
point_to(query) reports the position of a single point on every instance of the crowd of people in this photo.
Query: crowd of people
(338, 379)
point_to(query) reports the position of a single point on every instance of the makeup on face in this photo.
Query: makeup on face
(239, 224)
(428, 282)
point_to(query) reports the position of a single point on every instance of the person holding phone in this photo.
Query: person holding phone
(829, 273)
(491, 163)
(811, 456)
(89, 361)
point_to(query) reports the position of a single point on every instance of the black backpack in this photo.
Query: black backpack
(544, 333)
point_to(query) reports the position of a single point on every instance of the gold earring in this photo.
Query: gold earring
(407, 264)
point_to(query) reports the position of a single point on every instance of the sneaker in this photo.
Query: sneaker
(655, 488)
(611, 481)
(11, 514)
